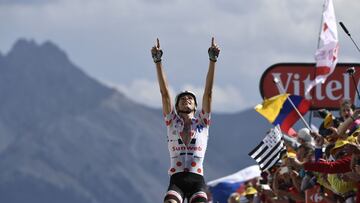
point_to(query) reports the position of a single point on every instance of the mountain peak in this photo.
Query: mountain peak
(23, 43)
(50, 84)
(23, 47)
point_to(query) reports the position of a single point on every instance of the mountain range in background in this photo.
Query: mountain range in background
(65, 137)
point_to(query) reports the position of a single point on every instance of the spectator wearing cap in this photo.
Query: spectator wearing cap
(251, 194)
(303, 136)
(341, 165)
(328, 128)
(340, 185)
(290, 142)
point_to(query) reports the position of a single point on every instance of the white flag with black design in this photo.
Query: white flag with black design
(270, 149)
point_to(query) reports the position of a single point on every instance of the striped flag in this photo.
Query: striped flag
(279, 110)
(270, 149)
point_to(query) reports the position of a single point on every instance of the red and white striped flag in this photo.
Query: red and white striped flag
(326, 56)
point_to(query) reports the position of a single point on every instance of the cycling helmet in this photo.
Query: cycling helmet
(186, 92)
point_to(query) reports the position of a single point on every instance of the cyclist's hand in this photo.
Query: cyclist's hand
(156, 52)
(213, 51)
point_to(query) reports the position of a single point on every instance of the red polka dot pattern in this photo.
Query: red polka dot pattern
(206, 121)
(168, 122)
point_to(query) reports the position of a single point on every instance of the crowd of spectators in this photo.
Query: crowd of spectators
(319, 166)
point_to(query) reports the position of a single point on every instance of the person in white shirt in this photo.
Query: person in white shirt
(187, 133)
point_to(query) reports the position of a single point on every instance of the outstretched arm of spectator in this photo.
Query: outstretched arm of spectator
(339, 166)
(156, 53)
(213, 51)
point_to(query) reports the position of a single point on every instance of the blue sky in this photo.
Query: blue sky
(111, 40)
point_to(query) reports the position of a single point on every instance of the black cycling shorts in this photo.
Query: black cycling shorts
(187, 185)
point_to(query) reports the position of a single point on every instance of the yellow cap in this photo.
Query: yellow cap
(338, 144)
(356, 132)
(291, 154)
(250, 191)
(328, 120)
(352, 138)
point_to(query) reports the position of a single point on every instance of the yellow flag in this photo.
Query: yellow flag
(270, 108)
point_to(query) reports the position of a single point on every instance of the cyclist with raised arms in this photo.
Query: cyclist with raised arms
(187, 133)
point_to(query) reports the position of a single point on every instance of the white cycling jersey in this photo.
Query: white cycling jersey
(187, 158)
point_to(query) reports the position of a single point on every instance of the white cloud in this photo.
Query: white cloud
(142, 91)
(225, 99)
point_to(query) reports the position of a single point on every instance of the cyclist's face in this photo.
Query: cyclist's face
(186, 103)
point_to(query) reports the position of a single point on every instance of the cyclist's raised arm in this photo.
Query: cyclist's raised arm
(213, 51)
(156, 53)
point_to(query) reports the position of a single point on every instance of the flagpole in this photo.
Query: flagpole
(282, 91)
(318, 45)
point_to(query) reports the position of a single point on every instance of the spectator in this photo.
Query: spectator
(350, 118)
(303, 136)
(234, 198)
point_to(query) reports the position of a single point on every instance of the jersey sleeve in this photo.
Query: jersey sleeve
(169, 118)
(205, 118)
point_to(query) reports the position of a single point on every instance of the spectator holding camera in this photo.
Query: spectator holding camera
(286, 184)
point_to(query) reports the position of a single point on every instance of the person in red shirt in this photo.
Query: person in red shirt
(339, 166)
